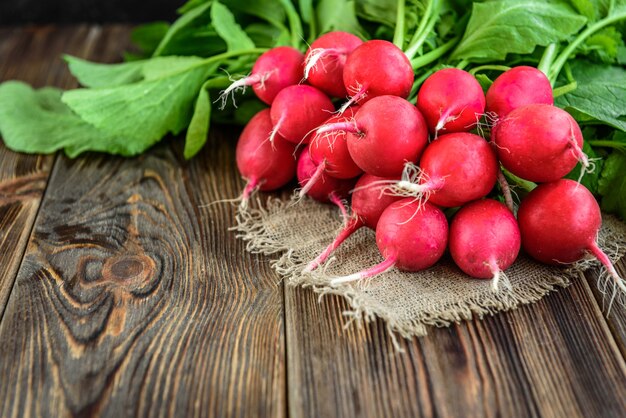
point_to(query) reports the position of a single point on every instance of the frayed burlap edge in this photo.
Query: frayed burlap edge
(252, 228)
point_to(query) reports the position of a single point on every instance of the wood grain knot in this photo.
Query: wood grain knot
(131, 269)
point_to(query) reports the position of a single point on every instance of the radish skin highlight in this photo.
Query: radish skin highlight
(410, 236)
(455, 169)
(325, 59)
(559, 223)
(518, 87)
(384, 134)
(266, 166)
(377, 68)
(318, 185)
(331, 148)
(539, 143)
(274, 70)
(368, 203)
(484, 240)
(451, 100)
(297, 111)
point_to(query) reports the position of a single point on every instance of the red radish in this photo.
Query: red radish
(559, 222)
(297, 111)
(410, 235)
(324, 187)
(385, 133)
(377, 68)
(368, 203)
(539, 142)
(451, 100)
(484, 239)
(330, 150)
(517, 87)
(274, 70)
(325, 59)
(266, 166)
(455, 169)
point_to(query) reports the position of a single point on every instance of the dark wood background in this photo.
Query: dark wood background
(121, 296)
(15, 12)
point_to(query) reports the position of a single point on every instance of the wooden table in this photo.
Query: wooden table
(121, 296)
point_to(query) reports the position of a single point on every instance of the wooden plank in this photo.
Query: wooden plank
(616, 317)
(555, 358)
(134, 300)
(32, 55)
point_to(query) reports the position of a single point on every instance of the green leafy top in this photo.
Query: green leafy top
(600, 94)
(228, 29)
(49, 125)
(499, 28)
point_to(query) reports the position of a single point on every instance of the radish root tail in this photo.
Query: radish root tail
(619, 287)
(579, 154)
(317, 176)
(485, 123)
(359, 92)
(236, 86)
(274, 131)
(330, 128)
(248, 191)
(251, 187)
(499, 279)
(315, 55)
(353, 224)
(415, 183)
(445, 118)
(342, 205)
(379, 268)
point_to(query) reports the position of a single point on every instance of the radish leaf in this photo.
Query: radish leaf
(612, 184)
(199, 126)
(143, 111)
(523, 24)
(179, 27)
(92, 74)
(228, 29)
(38, 121)
(600, 95)
(339, 15)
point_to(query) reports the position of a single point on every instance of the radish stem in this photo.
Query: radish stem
(434, 55)
(506, 191)
(567, 88)
(547, 58)
(424, 29)
(502, 68)
(560, 61)
(398, 35)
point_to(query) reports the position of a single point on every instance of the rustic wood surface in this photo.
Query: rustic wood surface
(121, 294)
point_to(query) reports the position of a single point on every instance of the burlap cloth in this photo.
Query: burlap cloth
(408, 302)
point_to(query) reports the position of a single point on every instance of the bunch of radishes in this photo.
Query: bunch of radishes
(402, 163)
